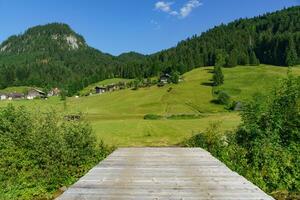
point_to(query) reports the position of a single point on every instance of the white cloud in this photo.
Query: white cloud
(188, 8)
(183, 12)
(174, 13)
(164, 6)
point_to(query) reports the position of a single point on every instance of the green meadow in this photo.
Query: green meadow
(118, 117)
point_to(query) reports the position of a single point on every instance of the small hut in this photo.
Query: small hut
(100, 89)
(164, 79)
(35, 93)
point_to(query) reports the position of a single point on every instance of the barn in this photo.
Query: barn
(34, 93)
(100, 89)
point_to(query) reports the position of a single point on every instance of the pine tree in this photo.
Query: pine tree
(220, 60)
(218, 77)
(253, 59)
(291, 54)
(232, 60)
(175, 77)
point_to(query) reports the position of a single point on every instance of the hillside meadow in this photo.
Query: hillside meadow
(118, 117)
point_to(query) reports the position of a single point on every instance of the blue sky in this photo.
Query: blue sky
(117, 26)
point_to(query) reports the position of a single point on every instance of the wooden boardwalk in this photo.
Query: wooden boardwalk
(162, 173)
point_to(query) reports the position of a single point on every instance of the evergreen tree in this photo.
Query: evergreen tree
(220, 60)
(291, 54)
(232, 59)
(175, 77)
(253, 59)
(243, 58)
(218, 77)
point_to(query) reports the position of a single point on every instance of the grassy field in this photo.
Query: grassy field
(117, 117)
(15, 89)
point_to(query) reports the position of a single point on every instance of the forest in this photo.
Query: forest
(54, 55)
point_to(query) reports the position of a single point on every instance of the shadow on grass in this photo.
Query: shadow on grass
(210, 84)
(215, 101)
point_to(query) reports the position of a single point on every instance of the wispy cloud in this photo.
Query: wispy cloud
(164, 6)
(183, 12)
(188, 8)
(155, 24)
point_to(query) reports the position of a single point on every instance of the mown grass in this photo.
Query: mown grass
(118, 117)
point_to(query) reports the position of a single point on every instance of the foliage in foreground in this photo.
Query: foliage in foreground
(266, 146)
(43, 152)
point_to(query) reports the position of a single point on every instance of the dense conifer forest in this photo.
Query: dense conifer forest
(54, 55)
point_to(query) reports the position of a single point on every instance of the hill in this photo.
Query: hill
(186, 108)
(132, 56)
(54, 55)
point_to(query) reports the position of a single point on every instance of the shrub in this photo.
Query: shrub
(184, 116)
(63, 95)
(211, 139)
(152, 117)
(43, 152)
(160, 84)
(223, 98)
(169, 89)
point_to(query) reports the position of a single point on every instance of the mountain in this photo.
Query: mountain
(54, 55)
(44, 39)
(132, 56)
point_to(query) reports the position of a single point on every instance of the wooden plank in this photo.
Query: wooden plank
(162, 173)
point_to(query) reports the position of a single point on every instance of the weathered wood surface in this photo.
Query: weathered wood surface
(162, 173)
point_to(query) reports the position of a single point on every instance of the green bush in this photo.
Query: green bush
(184, 116)
(223, 98)
(43, 152)
(152, 117)
(211, 139)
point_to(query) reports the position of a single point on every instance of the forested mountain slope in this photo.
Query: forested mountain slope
(273, 38)
(53, 55)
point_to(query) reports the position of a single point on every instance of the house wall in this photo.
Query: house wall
(32, 94)
(3, 97)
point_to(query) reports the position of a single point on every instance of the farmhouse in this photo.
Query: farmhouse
(164, 78)
(34, 93)
(100, 89)
(112, 87)
(3, 96)
(15, 96)
(53, 92)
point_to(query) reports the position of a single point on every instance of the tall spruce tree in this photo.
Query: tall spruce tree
(220, 59)
(218, 77)
(253, 59)
(232, 59)
(291, 54)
